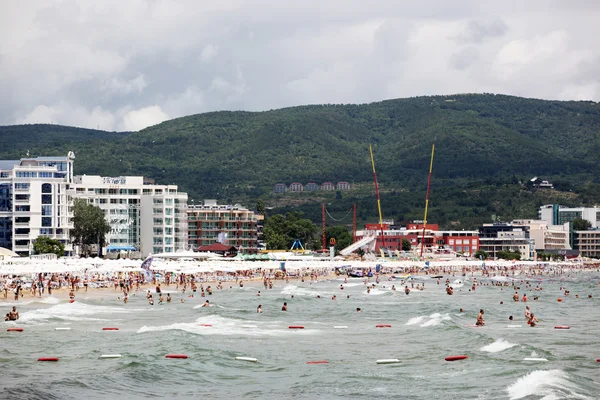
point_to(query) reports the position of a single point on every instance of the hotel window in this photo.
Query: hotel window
(22, 186)
(451, 242)
(26, 174)
(169, 201)
(168, 221)
(47, 210)
(43, 174)
(458, 241)
(168, 231)
(458, 248)
(46, 221)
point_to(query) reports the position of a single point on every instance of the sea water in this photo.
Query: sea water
(426, 326)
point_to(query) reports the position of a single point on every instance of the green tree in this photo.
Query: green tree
(580, 224)
(406, 246)
(46, 245)
(89, 226)
(509, 255)
(280, 231)
(481, 254)
(343, 238)
(260, 207)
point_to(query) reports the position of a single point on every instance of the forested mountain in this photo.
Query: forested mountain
(485, 145)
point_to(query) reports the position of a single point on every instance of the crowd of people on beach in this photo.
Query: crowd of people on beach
(198, 285)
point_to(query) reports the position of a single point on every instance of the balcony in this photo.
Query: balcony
(21, 224)
(21, 248)
(22, 237)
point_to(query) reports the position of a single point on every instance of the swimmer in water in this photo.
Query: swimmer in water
(516, 296)
(284, 307)
(206, 304)
(406, 290)
(533, 320)
(168, 297)
(527, 313)
(358, 310)
(480, 321)
(259, 309)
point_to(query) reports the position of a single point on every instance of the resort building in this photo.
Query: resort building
(280, 188)
(296, 187)
(461, 242)
(311, 187)
(546, 237)
(554, 214)
(588, 243)
(143, 217)
(35, 200)
(343, 186)
(500, 236)
(327, 186)
(231, 225)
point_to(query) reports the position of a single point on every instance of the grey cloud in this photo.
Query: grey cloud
(464, 58)
(478, 31)
(120, 64)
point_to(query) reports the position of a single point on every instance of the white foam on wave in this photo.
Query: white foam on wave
(377, 292)
(298, 291)
(551, 384)
(497, 346)
(430, 320)
(42, 300)
(458, 283)
(70, 312)
(227, 327)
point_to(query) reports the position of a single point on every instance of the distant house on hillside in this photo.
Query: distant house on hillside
(343, 186)
(311, 187)
(327, 186)
(536, 182)
(296, 187)
(280, 188)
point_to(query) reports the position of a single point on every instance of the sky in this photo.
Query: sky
(125, 65)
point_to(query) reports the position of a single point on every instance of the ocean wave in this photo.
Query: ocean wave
(228, 327)
(70, 312)
(497, 346)
(551, 384)
(290, 290)
(430, 320)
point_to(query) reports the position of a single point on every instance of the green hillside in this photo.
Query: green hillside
(485, 145)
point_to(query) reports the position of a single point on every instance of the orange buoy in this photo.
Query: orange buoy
(48, 359)
(14, 330)
(383, 326)
(559, 300)
(598, 360)
(110, 329)
(176, 356)
(562, 327)
(71, 301)
(296, 327)
(454, 358)
(318, 362)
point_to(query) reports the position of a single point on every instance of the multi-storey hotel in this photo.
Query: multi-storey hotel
(37, 195)
(144, 217)
(35, 200)
(232, 225)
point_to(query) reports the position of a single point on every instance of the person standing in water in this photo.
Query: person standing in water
(480, 321)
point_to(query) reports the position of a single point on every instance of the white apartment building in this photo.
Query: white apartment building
(143, 217)
(545, 236)
(35, 200)
(555, 214)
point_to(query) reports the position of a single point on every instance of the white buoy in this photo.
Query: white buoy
(62, 329)
(534, 359)
(110, 356)
(388, 361)
(249, 326)
(250, 359)
(513, 326)
(340, 327)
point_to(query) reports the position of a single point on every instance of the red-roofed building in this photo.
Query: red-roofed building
(327, 186)
(296, 187)
(218, 248)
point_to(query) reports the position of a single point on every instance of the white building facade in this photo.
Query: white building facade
(545, 236)
(36, 199)
(554, 214)
(143, 217)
